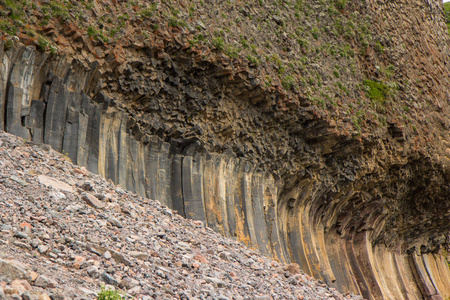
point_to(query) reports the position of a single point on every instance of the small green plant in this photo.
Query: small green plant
(219, 43)
(447, 14)
(379, 47)
(232, 51)
(148, 12)
(197, 40)
(105, 294)
(376, 91)
(43, 43)
(252, 59)
(336, 73)
(8, 45)
(175, 22)
(91, 31)
(315, 33)
(288, 82)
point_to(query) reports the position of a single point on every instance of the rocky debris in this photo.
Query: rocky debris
(74, 247)
(11, 269)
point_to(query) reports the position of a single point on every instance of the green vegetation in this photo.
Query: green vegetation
(288, 82)
(232, 51)
(105, 294)
(447, 14)
(148, 12)
(175, 22)
(219, 43)
(97, 35)
(376, 91)
(307, 47)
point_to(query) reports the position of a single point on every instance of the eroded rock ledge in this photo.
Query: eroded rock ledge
(367, 216)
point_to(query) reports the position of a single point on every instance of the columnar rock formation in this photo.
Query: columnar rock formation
(366, 213)
(330, 216)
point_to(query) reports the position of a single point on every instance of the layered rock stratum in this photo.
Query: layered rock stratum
(314, 131)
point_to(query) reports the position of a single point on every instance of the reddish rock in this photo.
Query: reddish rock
(201, 259)
(25, 225)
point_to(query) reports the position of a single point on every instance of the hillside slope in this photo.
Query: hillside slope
(69, 232)
(313, 130)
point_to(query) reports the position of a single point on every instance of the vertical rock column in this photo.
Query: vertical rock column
(18, 92)
(159, 171)
(113, 146)
(192, 185)
(213, 192)
(4, 72)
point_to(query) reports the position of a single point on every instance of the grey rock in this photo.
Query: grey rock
(139, 255)
(128, 283)
(6, 227)
(87, 292)
(14, 297)
(93, 271)
(107, 255)
(11, 270)
(134, 290)
(45, 282)
(27, 296)
(118, 257)
(56, 296)
(22, 245)
(18, 180)
(55, 184)
(108, 279)
(42, 249)
(93, 201)
(35, 243)
(115, 222)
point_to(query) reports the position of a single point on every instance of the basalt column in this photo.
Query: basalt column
(335, 211)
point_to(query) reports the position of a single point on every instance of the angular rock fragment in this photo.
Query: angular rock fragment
(45, 282)
(11, 270)
(108, 279)
(56, 184)
(93, 201)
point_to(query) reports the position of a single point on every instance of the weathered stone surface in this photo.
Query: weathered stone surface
(56, 184)
(286, 181)
(45, 282)
(140, 244)
(56, 113)
(108, 279)
(36, 123)
(93, 201)
(18, 97)
(11, 270)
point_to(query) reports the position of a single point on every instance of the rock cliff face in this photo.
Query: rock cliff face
(367, 212)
